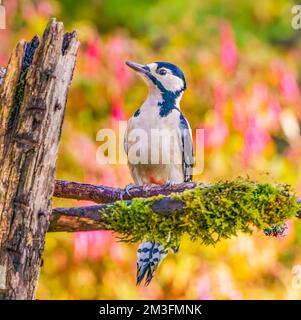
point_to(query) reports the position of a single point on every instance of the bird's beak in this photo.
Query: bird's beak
(137, 67)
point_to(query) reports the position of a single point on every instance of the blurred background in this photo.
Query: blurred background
(242, 65)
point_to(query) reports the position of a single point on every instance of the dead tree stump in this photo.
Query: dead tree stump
(32, 104)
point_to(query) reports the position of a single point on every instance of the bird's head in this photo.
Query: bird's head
(162, 76)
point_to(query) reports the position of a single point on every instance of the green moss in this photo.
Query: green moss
(210, 214)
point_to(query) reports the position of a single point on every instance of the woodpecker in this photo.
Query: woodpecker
(160, 111)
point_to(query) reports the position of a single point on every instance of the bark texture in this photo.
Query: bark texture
(104, 194)
(91, 217)
(77, 219)
(32, 103)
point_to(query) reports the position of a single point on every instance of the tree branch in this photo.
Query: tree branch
(77, 219)
(88, 217)
(92, 217)
(104, 194)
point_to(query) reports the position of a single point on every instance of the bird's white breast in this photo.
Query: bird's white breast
(168, 153)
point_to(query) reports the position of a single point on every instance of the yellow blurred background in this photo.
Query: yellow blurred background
(242, 66)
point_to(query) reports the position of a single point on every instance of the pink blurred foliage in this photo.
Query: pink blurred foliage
(116, 56)
(216, 133)
(37, 9)
(225, 284)
(229, 55)
(255, 140)
(11, 7)
(94, 50)
(93, 57)
(45, 8)
(83, 150)
(117, 113)
(247, 119)
(92, 244)
(3, 57)
(219, 95)
(222, 280)
(95, 245)
(239, 114)
(29, 10)
(274, 112)
(6, 35)
(204, 287)
(259, 96)
(288, 84)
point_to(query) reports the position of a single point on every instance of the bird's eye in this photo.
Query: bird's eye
(162, 72)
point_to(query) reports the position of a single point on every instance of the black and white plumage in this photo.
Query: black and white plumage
(160, 112)
(149, 255)
(187, 148)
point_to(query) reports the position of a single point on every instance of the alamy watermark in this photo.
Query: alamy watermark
(296, 20)
(2, 16)
(150, 147)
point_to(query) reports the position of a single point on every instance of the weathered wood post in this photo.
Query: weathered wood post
(32, 105)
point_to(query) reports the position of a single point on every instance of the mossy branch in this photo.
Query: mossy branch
(207, 213)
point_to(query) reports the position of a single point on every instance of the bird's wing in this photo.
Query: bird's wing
(187, 148)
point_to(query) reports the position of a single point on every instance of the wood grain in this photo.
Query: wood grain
(32, 105)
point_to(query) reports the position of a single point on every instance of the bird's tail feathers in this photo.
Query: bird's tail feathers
(149, 256)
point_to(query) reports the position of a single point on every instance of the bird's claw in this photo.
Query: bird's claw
(170, 183)
(128, 188)
(126, 191)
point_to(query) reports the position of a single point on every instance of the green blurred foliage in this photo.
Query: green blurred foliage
(242, 64)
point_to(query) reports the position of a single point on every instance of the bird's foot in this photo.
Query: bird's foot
(170, 183)
(128, 188)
